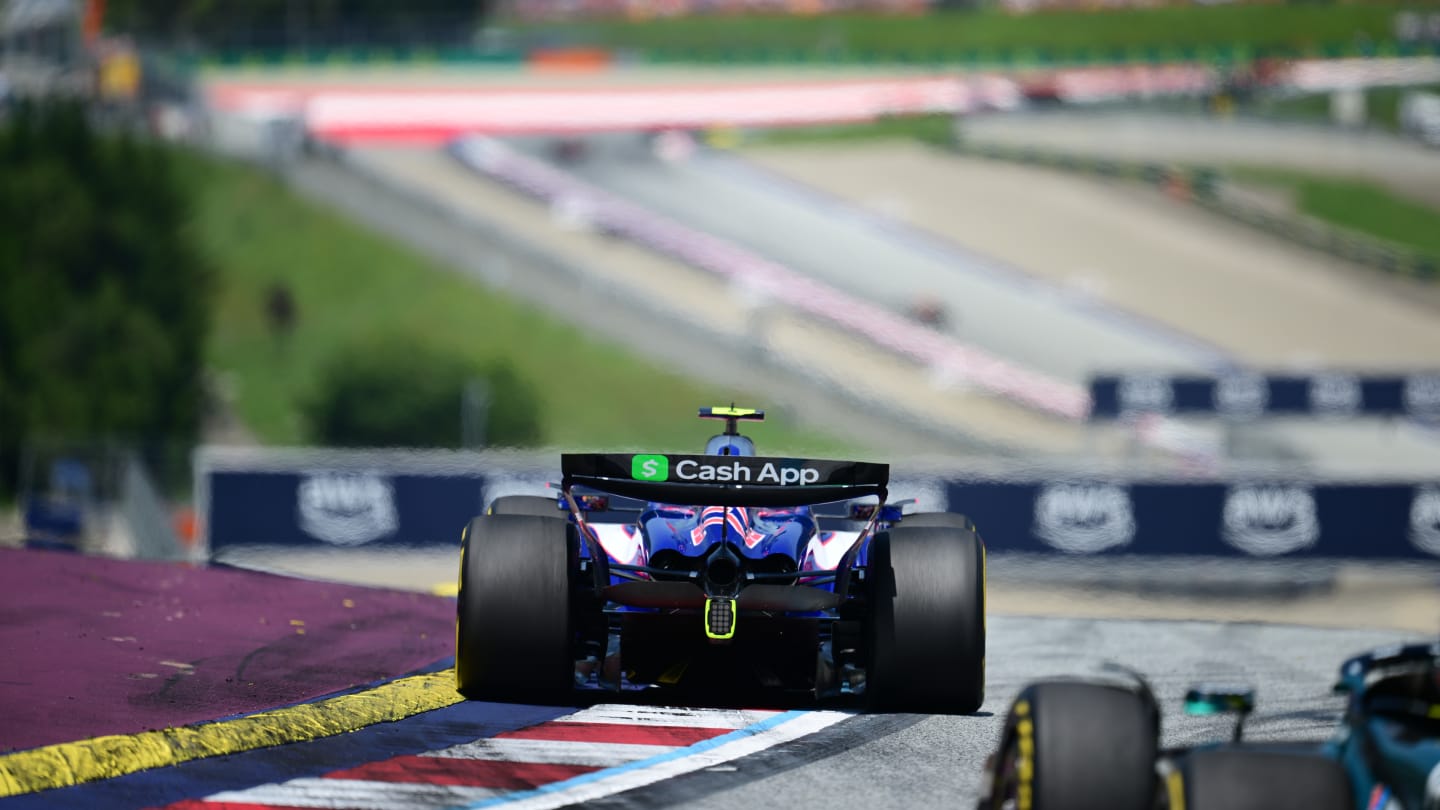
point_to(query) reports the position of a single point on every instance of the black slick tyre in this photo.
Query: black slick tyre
(1071, 745)
(532, 505)
(514, 635)
(926, 628)
(1239, 778)
(951, 520)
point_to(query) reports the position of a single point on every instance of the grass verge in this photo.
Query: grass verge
(935, 129)
(1382, 106)
(348, 282)
(1354, 205)
(994, 33)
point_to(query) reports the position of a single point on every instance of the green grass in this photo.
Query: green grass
(1382, 106)
(348, 282)
(935, 129)
(1058, 34)
(1355, 205)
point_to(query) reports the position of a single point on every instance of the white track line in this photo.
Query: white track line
(555, 752)
(354, 794)
(666, 716)
(776, 731)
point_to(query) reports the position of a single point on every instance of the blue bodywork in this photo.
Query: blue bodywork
(1389, 740)
(780, 585)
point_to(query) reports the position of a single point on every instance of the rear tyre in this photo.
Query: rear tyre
(926, 628)
(1072, 745)
(1250, 779)
(514, 635)
(532, 505)
(949, 520)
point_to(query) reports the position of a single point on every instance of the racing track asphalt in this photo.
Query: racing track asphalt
(1032, 325)
(935, 761)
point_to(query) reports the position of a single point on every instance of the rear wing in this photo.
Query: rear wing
(724, 480)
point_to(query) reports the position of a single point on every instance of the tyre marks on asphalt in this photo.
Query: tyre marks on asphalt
(799, 754)
(590, 754)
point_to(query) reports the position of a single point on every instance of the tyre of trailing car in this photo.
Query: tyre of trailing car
(926, 625)
(514, 637)
(1073, 745)
(533, 505)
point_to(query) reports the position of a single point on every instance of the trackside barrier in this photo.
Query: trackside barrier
(361, 114)
(1248, 395)
(772, 280)
(353, 112)
(822, 55)
(1206, 188)
(394, 499)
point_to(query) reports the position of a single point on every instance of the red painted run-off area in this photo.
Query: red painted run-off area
(92, 646)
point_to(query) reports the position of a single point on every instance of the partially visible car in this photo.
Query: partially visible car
(1092, 743)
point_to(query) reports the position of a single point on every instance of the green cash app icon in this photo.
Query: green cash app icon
(650, 468)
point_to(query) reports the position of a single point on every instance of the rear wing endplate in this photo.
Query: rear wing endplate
(724, 480)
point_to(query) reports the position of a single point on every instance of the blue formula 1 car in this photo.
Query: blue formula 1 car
(722, 573)
(1079, 744)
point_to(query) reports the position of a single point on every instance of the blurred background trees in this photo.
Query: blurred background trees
(104, 297)
(397, 391)
(294, 21)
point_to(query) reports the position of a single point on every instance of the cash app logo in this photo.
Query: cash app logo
(649, 468)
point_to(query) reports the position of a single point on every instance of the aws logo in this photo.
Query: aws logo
(1084, 518)
(1425, 520)
(346, 509)
(1270, 519)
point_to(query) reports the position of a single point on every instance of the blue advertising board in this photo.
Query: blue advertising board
(1258, 518)
(339, 508)
(1246, 395)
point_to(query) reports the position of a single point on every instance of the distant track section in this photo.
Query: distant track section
(948, 356)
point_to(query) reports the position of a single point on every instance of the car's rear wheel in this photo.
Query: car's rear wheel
(1232, 778)
(532, 505)
(926, 628)
(1071, 745)
(514, 636)
(949, 520)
